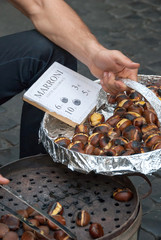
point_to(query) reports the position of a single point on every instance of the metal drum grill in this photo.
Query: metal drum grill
(41, 181)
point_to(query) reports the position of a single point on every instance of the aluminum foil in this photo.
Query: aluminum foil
(51, 128)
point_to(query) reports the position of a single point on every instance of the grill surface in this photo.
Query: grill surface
(41, 181)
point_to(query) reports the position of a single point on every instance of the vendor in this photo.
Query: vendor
(60, 35)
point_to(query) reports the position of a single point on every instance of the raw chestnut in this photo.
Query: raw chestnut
(81, 128)
(28, 236)
(59, 218)
(96, 230)
(11, 236)
(41, 219)
(60, 235)
(33, 222)
(83, 218)
(63, 141)
(123, 194)
(96, 118)
(11, 221)
(4, 229)
(23, 213)
(55, 208)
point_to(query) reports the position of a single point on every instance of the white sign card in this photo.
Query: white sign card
(63, 93)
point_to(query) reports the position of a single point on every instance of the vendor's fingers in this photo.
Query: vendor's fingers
(109, 83)
(3, 180)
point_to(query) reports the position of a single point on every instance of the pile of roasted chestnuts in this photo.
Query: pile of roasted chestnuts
(133, 128)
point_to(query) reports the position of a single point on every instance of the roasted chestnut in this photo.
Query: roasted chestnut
(89, 149)
(98, 151)
(96, 118)
(59, 218)
(126, 103)
(119, 111)
(123, 124)
(113, 120)
(119, 141)
(144, 149)
(55, 208)
(111, 99)
(121, 96)
(31, 212)
(63, 141)
(11, 221)
(114, 132)
(80, 137)
(4, 229)
(83, 218)
(135, 145)
(135, 96)
(152, 140)
(81, 128)
(131, 115)
(44, 231)
(139, 121)
(76, 146)
(109, 152)
(136, 108)
(151, 117)
(11, 236)
(104, 140)
(94, 138)
(128, 152)
(148, 127)
(104, 127)
(123, 194)
(141, 103)
(156, 146)
(132, 133)
(96, 230)
(118, 149)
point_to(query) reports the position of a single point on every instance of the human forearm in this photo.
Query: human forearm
(60, 23)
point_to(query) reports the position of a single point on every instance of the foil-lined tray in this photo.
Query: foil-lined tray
(51, 128)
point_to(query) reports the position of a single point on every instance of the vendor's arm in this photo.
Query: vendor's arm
(3, 180)
(59, 22)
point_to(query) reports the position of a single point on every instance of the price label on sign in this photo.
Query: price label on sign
(64, 94)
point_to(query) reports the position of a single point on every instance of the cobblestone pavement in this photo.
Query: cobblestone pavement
(133, 27)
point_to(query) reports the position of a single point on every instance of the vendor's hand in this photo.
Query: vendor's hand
(109, 65)
(3, 180)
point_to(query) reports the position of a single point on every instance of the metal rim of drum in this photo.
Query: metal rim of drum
(41, 181)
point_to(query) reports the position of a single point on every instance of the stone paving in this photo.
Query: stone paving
(133, 27)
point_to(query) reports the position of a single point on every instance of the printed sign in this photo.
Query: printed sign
(65, 94)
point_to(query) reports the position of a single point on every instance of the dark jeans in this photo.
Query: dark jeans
(23, 58)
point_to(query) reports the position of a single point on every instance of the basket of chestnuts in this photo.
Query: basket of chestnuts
(122, 136)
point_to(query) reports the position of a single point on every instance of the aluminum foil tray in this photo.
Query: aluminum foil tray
(51, 128)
